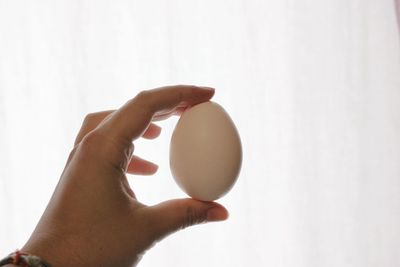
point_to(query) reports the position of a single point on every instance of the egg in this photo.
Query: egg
(205, 152)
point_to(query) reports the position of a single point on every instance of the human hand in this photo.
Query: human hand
(93, 217)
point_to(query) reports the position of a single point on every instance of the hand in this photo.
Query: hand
(93, 217)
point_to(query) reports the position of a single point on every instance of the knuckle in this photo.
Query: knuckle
(87, 124)
(72, 153)
(142, 95)
(88, 118)
(90, 140)
(143, 100)
(104, 148)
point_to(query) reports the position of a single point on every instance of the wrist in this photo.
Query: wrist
(19, 258)
(53, 250)
(39, 252)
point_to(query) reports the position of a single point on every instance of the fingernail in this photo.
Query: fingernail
(207, 88)
(216, 214)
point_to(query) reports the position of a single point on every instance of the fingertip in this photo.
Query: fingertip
(209, 90)
(157, 131)
(141, 166)
(217, 213)
(155, 168)
(153, 131)
(152, 169)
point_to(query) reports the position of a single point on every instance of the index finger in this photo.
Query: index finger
(131, 120)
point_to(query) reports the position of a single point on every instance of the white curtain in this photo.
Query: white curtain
(313, 87)
(398, 11)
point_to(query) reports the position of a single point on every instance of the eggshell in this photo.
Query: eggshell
(205, 152)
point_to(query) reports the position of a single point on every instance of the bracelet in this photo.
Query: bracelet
(24, 259)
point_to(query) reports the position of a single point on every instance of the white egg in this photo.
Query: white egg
(205, 152)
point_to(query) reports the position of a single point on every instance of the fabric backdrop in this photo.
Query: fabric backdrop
(313, 87)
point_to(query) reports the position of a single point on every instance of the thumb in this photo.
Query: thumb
(173, 215)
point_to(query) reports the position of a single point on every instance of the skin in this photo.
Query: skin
(93, 217)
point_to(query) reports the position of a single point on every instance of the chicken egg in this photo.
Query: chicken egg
(205, 152)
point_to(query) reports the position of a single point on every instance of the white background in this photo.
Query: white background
(313, 87)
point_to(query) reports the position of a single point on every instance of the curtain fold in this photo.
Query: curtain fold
(397, 4)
